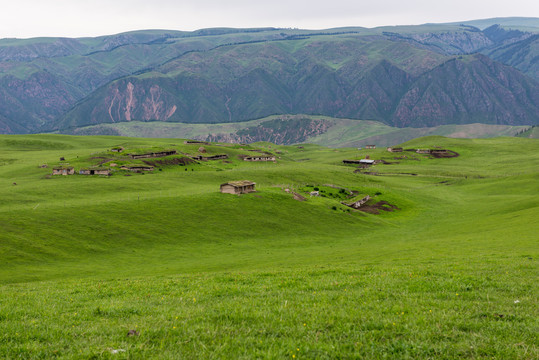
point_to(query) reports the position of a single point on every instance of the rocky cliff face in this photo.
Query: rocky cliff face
(286, 131)
(137, 102)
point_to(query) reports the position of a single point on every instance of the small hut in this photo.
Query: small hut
(362, 161)
(370, 146)
(212, 157)
(394, 149)
(259, 158)
(95, 171)
(137, 168)
(153, 154)
(238, 187)
(63, 170)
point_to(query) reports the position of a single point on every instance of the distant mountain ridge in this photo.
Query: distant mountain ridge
(416, 76)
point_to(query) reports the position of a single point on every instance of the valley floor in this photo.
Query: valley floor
(162, 265)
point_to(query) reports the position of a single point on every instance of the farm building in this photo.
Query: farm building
(362, 161)
(95, 171)
(370, 146)
(196, 142)
(117, 149)
(238, 187)
(153, 154)
(137, 168)
(206, 158)
(259, 158)
(394, 149)
(63, 170)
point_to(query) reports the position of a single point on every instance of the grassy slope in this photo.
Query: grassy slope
(526, 24)
(343, 133)
(532, 133)
(202, 274)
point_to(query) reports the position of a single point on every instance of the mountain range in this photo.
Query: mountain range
(484, 71)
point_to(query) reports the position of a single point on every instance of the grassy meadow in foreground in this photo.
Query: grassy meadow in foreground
(198, 274)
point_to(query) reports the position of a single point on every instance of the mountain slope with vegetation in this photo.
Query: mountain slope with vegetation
(461, 90)
(229, 75)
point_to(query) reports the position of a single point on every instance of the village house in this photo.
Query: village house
(238, 187)
(137, 168)
(63, 170)
(370, 146)
(117, 149)
(153, 154)
(213, 157)
(394, 149)
(95, 171)
(362, 161)
(196, 142)
(259, 158)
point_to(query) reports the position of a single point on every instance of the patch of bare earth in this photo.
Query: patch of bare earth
(446, 154)
(376, 207)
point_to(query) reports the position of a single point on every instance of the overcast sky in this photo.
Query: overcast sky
(78, 18)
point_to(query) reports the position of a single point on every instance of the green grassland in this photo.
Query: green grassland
(195, 273)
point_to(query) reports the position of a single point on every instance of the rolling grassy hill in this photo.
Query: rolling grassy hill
(532, 133)
(448, 273)
(294, 129)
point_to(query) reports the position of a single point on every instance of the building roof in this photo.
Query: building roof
(239, 183)
(137, 167)
(366, 161)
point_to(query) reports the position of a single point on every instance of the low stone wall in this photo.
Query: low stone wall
(357, 204)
